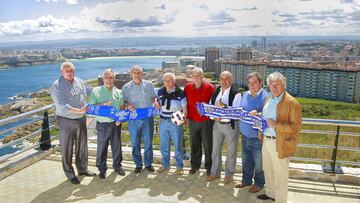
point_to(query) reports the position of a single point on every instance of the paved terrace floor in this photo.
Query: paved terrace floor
(44, 181)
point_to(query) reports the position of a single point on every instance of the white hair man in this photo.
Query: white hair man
(69, 95)
(226, 95)
(108, 131)
(171, 99)
(139, 93)
(199, 126)
(282, 113)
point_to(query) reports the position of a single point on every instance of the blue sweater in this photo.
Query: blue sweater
(249, 103)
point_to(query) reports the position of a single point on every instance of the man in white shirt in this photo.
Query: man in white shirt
(225, 96)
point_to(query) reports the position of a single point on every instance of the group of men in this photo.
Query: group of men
(265, 156)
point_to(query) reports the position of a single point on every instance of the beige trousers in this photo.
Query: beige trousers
(276, 171)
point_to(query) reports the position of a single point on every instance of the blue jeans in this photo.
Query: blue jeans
(252, 162)
(169, 130)
(142, 129)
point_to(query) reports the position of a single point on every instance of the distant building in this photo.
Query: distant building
(263, 42)
(190, 61)
(254, 43)
(326, 80)
(169, 64)
(211, 55)
(243, 54)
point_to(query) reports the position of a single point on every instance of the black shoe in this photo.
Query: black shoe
(102, 175)
(138, 170)
(87, 173)
(150, 168)
(265, 197)
(208, 172)
(120, 172)
(193, 171)
(75, 181)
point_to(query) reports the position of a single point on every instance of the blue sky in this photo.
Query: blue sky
(24, 20)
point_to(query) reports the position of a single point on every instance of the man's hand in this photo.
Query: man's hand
(117, 123)
(254, 113)
(131, 107)
(186, 123)
(260, 137)
(271, 123)
(156, 104)
(217, 119)
(78, 110)
(108, 103)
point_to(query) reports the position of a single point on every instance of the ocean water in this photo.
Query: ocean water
(28, 79)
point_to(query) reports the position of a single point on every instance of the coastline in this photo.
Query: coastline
(19, 64)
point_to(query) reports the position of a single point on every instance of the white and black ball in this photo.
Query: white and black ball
(178, 118)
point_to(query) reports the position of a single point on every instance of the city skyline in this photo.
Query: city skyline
(38, 20)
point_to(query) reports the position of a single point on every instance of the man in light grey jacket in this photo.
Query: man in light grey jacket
(69, 95)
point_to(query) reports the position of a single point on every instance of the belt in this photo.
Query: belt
(224, 123)
(105, 122)
(270, 137)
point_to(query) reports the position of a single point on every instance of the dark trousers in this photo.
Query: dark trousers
(73, 132)
(108, 132)
(200, 135)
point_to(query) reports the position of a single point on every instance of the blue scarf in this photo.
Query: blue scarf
(236, 113)
(121, 115)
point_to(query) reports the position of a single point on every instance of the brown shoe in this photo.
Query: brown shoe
(211, 178)
(254, 189)
(241, 185)
(228, 179)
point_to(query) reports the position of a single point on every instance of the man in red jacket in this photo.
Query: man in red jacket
(200, 126)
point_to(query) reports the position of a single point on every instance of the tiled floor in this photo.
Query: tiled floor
(44, 181)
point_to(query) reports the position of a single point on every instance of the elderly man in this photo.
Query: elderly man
(199, 126)
(282, 113)
(140, 93)
(171, 99)
(69, 95)
(253, 99)
(225, 96)
(108, 131)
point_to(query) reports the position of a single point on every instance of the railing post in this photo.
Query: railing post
(333, 168)
(45, 139)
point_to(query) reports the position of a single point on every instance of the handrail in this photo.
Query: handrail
(333, 161)
(26, 114)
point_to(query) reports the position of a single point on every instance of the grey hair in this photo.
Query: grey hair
(276, 76)
(198, 71)
(109, 70)
(169, 74)
(227, 74)
(136, 67)
(66, 64)
(254, 74)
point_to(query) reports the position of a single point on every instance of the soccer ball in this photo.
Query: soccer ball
(177, 118)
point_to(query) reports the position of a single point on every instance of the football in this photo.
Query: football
(177, 118)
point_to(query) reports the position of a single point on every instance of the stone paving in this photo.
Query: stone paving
(44, 181)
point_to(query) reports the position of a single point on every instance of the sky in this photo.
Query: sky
(37, 20)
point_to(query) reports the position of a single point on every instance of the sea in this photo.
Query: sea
(27, 79)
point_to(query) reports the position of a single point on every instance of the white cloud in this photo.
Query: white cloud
(71, 2)
(187, 18)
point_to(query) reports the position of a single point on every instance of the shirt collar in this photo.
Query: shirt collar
(257, 94)
(173, 90)
(226, 91)
(278, 98)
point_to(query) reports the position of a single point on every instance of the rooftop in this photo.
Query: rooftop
(44, 181)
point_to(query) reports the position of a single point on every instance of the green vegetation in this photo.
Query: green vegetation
(319, 108)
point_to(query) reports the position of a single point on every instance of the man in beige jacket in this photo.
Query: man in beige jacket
(282, 113)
